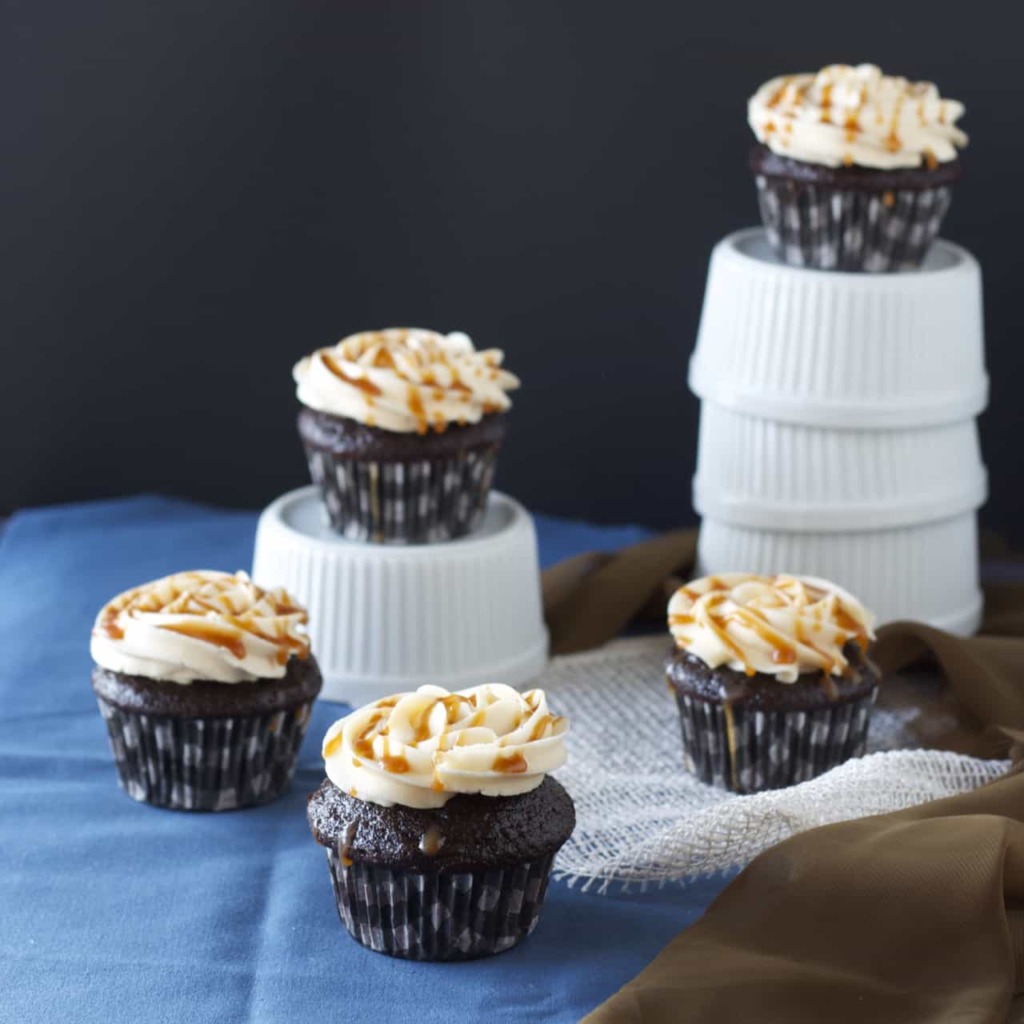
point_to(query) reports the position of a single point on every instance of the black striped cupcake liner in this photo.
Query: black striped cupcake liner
(416, 502)
(440, 915)
(748, 751)
(836, 229)
(205, 764)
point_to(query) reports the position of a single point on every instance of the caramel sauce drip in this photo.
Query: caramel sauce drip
(421, 724)
(769, 127)
(415, 402)
(929, 160)
(346, 841)
(776, 98)
(363, 384)
(383, 359)
(892, 140)
(826, 103)
(846, 622)
(829, 686)
(717, 628)
(211, 633)
(394, 763)
(108, 625)
(783, 652)
(332, 745)
(888, 200)
(510, 764)
(540, 727)
(431, 841)
(362, 745)
(852, 125)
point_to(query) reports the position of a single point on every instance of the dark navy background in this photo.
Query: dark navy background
(194, 194)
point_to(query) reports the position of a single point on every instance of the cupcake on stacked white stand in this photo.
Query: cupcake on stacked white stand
(412, 569)
(838, 435)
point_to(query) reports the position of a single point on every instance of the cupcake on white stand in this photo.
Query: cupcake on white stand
(412, 569)
(838, 435)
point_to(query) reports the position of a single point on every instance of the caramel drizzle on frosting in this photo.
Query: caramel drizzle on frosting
(377, 726)
(847, 115)
(712, 604)
(431, 372)
(216, 608)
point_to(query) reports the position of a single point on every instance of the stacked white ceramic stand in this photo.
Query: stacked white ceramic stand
(838, 435)
(389, 618)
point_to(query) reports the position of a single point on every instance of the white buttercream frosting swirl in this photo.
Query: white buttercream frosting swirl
(405, 379)
(200, 625)
(779, 625)
(420, 749)
(845, 116)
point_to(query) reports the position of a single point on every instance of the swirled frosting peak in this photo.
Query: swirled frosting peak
(406, 380)
(846, 115)
(779, 625)
(200, 625)
(420, 749)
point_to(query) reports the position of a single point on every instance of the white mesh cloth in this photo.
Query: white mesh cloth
(642, 818)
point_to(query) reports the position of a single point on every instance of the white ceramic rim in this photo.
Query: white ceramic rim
(273, 517)
(921, 412)
(851, 517)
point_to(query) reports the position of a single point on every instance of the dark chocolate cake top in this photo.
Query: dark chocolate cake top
(470, 832)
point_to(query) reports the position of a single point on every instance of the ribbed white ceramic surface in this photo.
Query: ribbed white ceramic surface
(842, 350)
(385, 619)
(762, 473)
(928, 572)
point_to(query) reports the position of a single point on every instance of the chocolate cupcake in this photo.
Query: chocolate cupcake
(439, 820)
(771, 676)
(206, 683)
(402, 430)
(855, 168)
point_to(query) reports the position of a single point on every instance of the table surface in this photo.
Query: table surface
(112, 910)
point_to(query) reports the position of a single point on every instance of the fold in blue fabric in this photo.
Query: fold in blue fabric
(115, 911)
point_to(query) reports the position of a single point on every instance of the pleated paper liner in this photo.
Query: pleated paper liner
(205, 764)
(748, 751)
(439, 915)
(416, 502)
(853, 230)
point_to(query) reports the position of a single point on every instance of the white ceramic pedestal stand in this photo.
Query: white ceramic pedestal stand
(837, 430)
(388, 618)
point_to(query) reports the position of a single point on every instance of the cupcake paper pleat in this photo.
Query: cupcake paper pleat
(416, 502)
(749, 751)
(439, 915)
(848, 229)
(205, 764)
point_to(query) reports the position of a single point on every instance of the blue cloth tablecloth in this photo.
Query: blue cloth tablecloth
(113, 911)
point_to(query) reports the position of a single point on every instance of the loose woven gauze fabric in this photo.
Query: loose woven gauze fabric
(642, 818)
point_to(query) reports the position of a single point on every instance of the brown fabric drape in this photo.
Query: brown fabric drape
(905, 918)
